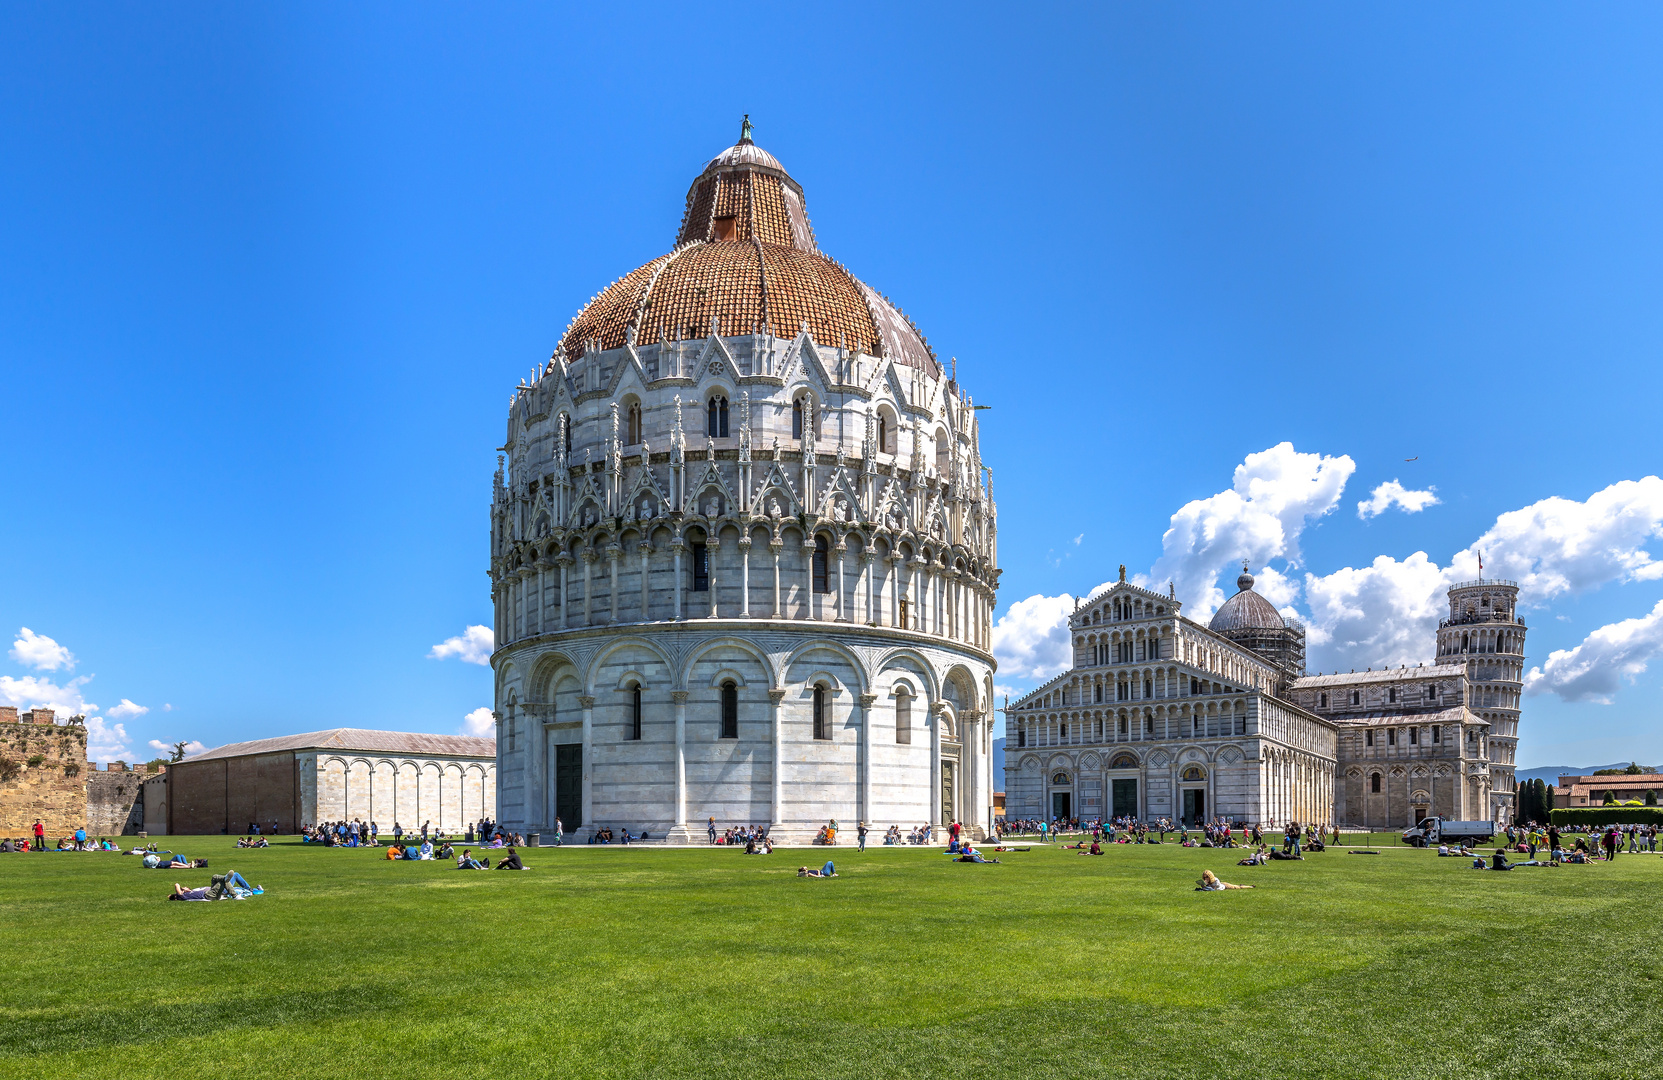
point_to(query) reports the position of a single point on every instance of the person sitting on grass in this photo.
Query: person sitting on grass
(827, 870)
(394, 851)
(426, 852)
(1255, 858)
(467, 862)
(511, 861)
(1210, 883)
(1095, 849)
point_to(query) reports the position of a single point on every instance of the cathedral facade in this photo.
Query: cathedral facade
(1161, 717)
(743, 551)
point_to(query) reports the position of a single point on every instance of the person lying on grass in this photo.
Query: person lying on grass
(970, 854)
(827, 870)
(1210, 883)
(1095, 849)
(1255, 858)
(468, 862)
(232, 886)
(168, 861)
(511, 861)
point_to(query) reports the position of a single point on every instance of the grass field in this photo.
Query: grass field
(640, 962)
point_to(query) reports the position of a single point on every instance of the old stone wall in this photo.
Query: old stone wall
(43, 774)
(115, 800)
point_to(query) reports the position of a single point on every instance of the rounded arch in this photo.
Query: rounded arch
(795, 656)
(544, 670)
(922, 669)
(597, 661)
(698, 652)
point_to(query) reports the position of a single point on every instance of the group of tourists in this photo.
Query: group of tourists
(737, 835)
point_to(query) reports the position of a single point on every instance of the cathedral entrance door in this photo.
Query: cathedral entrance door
(1125, 799)
(568, 784)
(1195, 806)
(1059, 804)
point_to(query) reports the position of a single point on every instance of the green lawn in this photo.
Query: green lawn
(705, 962)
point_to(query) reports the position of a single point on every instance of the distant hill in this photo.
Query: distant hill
(1552, 773)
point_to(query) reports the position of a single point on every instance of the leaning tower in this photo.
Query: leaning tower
(1484, 632)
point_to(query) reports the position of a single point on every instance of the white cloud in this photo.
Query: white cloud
(127, 710)
(1559, 546)
(1077, 539)
(473, 646)
(1383, 614)
(192, 747)
(1595, 669)
(1387, 612)
(1031, 637)
(480, 723)
(32, 690)
(107, 741)
(1274, 495)
(40, 652)
(1391, 494)
(167, 708)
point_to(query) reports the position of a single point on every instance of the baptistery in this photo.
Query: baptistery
(743, 548)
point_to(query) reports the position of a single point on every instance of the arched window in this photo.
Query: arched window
(797, 419)
(717, 422)
(903, 717)
(566, 429)
(634, 423)
(883, 433)
(1374, 783)
(730, 710)
(821, 550)
(701, 568)
(941, 451)
(634, 711)
(822, 721)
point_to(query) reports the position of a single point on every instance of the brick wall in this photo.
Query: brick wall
(53, 788)
(224, 794)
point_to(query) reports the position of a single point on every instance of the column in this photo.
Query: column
(563, 560)
(588, 705)
(713, 545)
(542, 565)
(865, 701)
(745, 576)
(612, 554)
(774, 546)
(678, 545)
(774, 699)
(935, 764)
(808, 576)
(679, 698)
(839, 550)
(646, 552)
(588, 586)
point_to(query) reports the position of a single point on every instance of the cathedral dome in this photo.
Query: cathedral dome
(746, 262)
(1246, 610)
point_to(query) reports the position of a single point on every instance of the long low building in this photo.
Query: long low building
(342, 774)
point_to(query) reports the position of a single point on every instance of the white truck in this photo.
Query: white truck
(1437, 830)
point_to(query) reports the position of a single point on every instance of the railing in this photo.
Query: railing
(1485, 581)
(1478, 617)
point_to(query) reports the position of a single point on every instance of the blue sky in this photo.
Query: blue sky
(267, 278)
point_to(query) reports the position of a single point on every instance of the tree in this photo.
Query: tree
(1610, 799)
(1651, 798)
(178, 751)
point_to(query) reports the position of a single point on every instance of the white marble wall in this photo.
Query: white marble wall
(448, 793)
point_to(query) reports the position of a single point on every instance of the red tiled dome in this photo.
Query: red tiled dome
(746, 257)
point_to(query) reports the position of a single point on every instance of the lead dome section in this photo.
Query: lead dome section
(746, 262)
(1251, 621)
